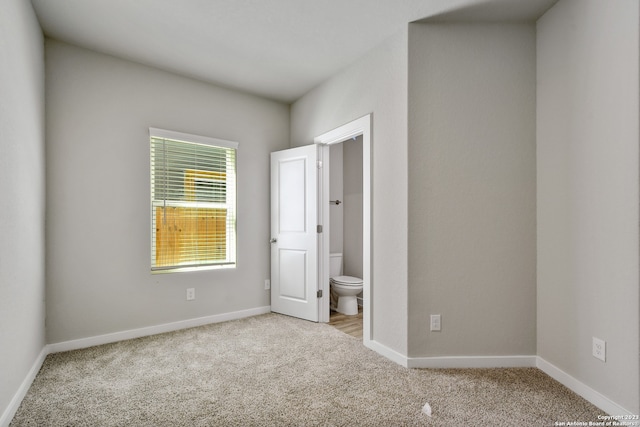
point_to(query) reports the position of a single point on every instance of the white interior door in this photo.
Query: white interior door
(294, 234)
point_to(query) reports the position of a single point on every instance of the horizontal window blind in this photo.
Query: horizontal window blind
(193, 201)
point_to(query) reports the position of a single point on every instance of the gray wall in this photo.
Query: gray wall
(472, 215)
(99, 109)
(377, 83)
(452, 234)
(346, 218)
(588, 107)
(352, 207)
(22, 214)
(336, 192)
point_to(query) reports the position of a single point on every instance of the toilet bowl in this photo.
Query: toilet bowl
(347, 288)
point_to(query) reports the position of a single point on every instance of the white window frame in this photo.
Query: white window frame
(230, 240)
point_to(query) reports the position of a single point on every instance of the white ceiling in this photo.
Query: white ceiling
(279, 49)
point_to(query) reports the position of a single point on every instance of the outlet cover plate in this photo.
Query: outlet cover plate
(435, 322)
(191, 294)
(599, 349)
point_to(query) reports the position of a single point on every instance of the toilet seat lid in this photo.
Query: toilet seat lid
(347, 280)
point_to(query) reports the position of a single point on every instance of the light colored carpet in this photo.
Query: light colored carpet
(273, 370)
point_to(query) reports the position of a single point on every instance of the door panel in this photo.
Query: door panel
(294, 247)
(292, 274)
(292, 198)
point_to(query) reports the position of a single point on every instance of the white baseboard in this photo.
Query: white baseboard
(153, 330)
(386, 352)
(452, 362)
(11, 410)
(583, 390)
(458, 362)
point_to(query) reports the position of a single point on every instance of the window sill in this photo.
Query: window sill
(198, 268)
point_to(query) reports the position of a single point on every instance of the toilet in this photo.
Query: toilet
(346, 287)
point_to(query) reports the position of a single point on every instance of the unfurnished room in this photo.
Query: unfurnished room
(335, 213)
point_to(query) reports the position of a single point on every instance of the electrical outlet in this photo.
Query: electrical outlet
(599, 349)
(191, 294)
(267, 284)
(435, 322)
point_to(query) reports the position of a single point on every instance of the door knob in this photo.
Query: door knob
(273, 240)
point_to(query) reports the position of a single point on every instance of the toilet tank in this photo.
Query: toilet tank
(335, 265)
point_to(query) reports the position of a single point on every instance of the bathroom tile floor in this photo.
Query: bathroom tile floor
(350, 325)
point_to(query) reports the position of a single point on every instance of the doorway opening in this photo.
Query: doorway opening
(345, 219)
(357, 133)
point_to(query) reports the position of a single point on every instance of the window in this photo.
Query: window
(193, 201)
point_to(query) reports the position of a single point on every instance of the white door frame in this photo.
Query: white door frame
(361, 126)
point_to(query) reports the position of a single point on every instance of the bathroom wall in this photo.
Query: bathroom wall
(336, 192)
(352, 207)
(346, 218)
